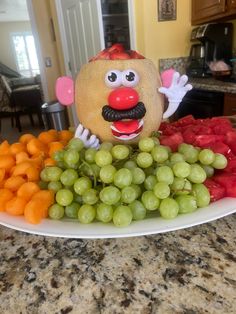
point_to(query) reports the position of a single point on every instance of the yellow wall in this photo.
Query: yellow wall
(166, 39)
(7, 56)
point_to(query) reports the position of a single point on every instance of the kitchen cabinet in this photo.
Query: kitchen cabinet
(229, 104)
(204, 11)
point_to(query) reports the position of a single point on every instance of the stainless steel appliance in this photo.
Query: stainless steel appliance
(210, 42)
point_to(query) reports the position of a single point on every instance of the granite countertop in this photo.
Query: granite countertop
(213, 85)
(188, 271)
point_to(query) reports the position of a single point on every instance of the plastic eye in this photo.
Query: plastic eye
(113, 78)
(130, 78)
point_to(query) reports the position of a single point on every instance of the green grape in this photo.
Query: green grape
(104, 212)
(61, 164)
(95, 170)
(77, 199)
(165, 174)
(190, 152)
(146, 144)
(169, 208)
(150, 182)
(103, 158)
(43, 185)
(89, 155)
(130, 164)
(107, 173)
(144, 160)
(187, 203)
(110, 195)
(58, 155)
(106, 146)
(183, 148)
(160, 153)
(138, 175)
(90, 170)
(68, 177)
(220, 161)
(122, 178)
(120, 152)
(76, 143)
(54, 173)
(197, 174)
(181, 186)
(155, 140)
(138, 210)
(54, 186)
(44, 175)
(161, 190)
(206, 156)
(149, 200)
(71, 211)
(176, 157)
(202, 195)
(181, 169)
(149, 171)
(128, 194)
(64, 197)
(81, 185)
(209, 170)
(56, 211)
(86, 214)
(70, 166)
(168, 149)
(71, 157)
(90, 197)
(122, 216)
(137, 189)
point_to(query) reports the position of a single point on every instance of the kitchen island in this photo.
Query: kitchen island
(187, 271)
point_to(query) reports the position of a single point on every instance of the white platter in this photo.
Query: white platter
(96, 230)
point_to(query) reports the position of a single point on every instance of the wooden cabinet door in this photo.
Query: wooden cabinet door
(203, 9)
(229, 104)
(232, 4)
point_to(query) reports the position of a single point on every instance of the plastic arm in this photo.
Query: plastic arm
(175, 93)
(88, 140)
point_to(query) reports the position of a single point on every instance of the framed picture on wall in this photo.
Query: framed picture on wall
(166, 10)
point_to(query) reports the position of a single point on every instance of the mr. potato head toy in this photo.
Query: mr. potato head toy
(119, 96)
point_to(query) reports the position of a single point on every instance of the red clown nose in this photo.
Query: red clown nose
(123, 98)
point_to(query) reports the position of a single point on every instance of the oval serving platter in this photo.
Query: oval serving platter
(154, 225)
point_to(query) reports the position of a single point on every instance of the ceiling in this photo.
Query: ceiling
(13, 10)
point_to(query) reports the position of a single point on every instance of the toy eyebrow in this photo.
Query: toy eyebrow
(109, 114)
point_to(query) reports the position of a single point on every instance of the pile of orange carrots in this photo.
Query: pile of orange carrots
(20, 167)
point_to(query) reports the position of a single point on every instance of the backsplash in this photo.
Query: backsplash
(179, 64)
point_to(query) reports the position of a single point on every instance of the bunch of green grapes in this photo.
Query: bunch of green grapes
(121, 183)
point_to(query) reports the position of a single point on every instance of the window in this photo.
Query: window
(25, 52)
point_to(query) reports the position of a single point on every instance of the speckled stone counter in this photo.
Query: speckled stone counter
(188, 271)
(213, 85)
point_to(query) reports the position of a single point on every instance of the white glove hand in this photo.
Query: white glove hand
(175, 93)
(89, 141)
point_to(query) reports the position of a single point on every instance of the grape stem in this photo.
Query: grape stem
(84, 163)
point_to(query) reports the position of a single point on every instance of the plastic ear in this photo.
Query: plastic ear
(65, 90)
(167, 76)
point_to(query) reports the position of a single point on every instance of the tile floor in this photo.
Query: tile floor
(12, 134)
